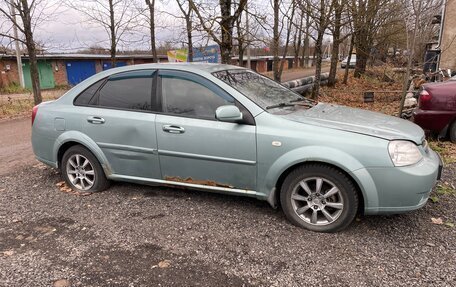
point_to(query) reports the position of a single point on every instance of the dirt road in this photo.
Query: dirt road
(15, 145)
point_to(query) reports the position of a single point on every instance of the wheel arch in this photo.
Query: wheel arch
(72, 138)
(330, 156)
(291, 168)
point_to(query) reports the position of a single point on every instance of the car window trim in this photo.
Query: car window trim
(96, 96)
(162, 111)
(103, 80)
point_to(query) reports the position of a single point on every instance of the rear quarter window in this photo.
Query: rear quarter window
(83, 99)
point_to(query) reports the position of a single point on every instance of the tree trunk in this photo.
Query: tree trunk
(240, 40)
(151, 6)
(336, 44)
(362, 54)
(226, 25)
(31, 50)
(297, 42)
(318, 59)
(112, 30)
(188, 23)
(305, 48)
(275, 42)
(287, 41)
(189, 37)
(350, 52)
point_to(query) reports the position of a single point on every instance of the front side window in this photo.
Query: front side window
(188, 95)
(129, 90)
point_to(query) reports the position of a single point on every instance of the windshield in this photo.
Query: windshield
(263, 91)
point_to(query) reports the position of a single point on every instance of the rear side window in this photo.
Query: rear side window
(84, 98)
(130, 90)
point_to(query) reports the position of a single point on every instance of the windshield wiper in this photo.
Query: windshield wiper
(310, 101)
(306, 102)
(280, 105)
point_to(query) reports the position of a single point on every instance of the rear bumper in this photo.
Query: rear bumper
(402, 189)
(432, 120)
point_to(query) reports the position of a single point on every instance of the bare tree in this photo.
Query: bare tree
(320, 11)
(151, 19)
(223, 34)
(187, 13)
(115, 16)
(289, 15)
(24, 16)
(297, 39)
(337, 39)
(368, 17)
(276, 40)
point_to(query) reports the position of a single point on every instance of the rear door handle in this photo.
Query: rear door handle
(173, 129)
(95, 120)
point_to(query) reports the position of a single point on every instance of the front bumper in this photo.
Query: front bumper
(402, 189)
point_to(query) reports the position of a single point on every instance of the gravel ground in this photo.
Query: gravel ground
(133, 235)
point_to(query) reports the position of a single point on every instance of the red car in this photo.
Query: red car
(436, 111)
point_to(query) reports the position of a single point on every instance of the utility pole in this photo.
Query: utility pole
(247, 36)
(18, 51)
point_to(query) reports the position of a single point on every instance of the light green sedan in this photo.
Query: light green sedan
(227, 129)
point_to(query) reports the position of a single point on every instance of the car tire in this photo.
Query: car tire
(452, 132)
(82, 170)
(319, 197)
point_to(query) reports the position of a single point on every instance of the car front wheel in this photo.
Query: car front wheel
(82, 171)
(319, 198)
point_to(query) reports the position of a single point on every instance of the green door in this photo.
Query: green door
(45, 72)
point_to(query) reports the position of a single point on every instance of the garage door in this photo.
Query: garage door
(45, 72)
(78, 71)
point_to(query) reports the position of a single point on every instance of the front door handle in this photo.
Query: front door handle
(173, 129)
(95, 120)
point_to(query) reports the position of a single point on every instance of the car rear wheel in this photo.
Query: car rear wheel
(319, 198)
(453, 132)
(82, 171)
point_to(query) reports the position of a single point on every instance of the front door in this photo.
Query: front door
(193, 146)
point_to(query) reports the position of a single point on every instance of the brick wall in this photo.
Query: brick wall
(7, 77)
(60, 73)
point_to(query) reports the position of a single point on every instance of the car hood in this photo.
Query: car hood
(358, 121)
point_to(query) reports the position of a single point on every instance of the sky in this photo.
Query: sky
(69, 30)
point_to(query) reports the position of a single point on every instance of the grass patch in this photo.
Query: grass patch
(447, 150)
(13, 88)
(445, 189)
(15, 106)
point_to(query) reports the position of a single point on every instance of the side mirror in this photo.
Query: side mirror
(228, 113)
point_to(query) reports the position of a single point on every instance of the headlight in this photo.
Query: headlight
(404, 153)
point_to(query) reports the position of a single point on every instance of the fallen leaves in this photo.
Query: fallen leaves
(8, 253)
(438, 220)
(387, 98)
(63, 187)
(163, 264)
(61, 283)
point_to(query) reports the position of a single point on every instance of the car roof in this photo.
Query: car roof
(191, 67)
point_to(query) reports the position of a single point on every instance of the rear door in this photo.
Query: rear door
(194, 147)
(120, 118)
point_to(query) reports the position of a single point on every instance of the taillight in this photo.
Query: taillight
(425, 100)
(34, 111)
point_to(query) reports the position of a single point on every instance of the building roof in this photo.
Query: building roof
(84, 56)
